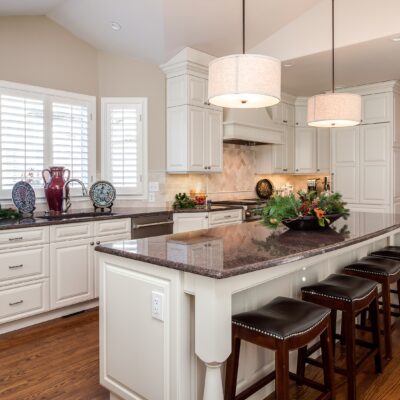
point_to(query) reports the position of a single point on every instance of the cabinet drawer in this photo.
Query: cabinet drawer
(24, 300)
(112, 227)
(24, 237)
(59, 233)
(225, 217)
(25, 263)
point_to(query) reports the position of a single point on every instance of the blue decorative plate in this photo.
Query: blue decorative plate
(102, 194)
(24, 198)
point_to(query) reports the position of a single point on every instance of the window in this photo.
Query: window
(43, 127)
(124, 138)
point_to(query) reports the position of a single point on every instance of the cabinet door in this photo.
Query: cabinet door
(177, 139)
(305, 153)
(283, 154)
(71, 272)
(197, 91)
(214, 144)
(288, 113)
(323, 150)
(377, 108)
(197, 138)
(345, 163)
(301, 116)
(191, 221)
(374, 163)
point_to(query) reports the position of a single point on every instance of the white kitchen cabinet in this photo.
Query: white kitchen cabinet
(17, 238)
(377, 108)
(71, 272)
(305, 150)
(284, 113)
(283, 154)
(323, 150)
(345, 166)
(194, 139)
(217, 218)
(190, 221)
(301, 116)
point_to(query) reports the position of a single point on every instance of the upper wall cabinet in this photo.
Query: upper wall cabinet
(377, 108)
(301, 116)
(194, 127)
(283, 113)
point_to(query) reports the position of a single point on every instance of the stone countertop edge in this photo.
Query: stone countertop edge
(40, 222)
(205, 210)
(211, 273)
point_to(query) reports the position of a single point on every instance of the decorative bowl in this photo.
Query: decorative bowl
(309, 222)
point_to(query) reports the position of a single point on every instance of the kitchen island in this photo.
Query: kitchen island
(166, 302)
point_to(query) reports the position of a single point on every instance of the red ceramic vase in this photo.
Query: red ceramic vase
(54, 186)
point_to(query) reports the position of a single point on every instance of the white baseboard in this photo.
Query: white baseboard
(38, 319)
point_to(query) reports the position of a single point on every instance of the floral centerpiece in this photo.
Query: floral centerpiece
(304, 211)
(9, 213)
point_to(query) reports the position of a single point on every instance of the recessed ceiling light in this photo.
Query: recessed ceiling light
(115, 26)
(288, 65)
(396, 39)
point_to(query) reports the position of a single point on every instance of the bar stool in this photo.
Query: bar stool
(282, 325)
(384, 271)
(351, 295)
(392, 252)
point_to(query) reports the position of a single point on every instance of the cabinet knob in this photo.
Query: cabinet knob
(297, 169)
(318, 169)
(285, 169)
(98, 242)
(205, 167)
(92, 243)
(207, 103)
(297, 123)
(206, 216)
(285, 121)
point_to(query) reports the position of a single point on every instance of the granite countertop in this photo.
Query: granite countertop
(212, 208)
(38, 220)
(238, 249)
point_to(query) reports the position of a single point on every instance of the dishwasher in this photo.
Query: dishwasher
(144, 226)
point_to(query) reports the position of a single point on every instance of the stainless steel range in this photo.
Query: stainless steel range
(252, 207)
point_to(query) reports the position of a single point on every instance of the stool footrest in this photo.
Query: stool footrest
(308, 382)
(255, 387)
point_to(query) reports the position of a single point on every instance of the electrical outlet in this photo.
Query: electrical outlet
(154, 187)
(157, 305)
(152, 197)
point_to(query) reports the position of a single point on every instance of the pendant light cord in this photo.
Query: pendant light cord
(244, 26)
(333, 46)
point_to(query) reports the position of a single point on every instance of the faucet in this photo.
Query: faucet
(66, 199)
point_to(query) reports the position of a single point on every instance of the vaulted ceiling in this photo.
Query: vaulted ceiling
(295, 31)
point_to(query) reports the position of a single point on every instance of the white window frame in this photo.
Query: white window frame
(105, 140)
(48, 96)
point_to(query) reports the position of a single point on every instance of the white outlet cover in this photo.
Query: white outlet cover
(157, 305)
(154, 187)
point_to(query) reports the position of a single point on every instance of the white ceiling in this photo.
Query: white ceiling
(296, 30)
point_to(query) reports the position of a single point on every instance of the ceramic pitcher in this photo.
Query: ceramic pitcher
(54, 179)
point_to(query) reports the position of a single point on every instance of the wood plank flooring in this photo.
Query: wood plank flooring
(58, 360)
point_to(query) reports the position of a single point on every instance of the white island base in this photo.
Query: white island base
(181, 356)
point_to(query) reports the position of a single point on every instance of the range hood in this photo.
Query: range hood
(251, 126)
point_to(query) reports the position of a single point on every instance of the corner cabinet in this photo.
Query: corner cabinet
(194, 127)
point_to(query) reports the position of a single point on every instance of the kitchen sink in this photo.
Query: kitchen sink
(75, 215)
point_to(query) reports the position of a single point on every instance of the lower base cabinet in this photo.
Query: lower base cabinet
(71, 272)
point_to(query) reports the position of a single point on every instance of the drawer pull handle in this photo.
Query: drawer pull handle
(227, 216)
(15, 266)
(15, 238)
(16, 303)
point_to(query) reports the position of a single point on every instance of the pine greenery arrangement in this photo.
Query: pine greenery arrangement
(311, 204)
(9, 213)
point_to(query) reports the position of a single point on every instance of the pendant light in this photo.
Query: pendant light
(334, 109)
(244, 80)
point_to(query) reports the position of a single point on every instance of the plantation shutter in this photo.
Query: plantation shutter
(22, 132)
(70, 138)
(124, 147)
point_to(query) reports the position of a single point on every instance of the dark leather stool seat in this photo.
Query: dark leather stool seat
(351, 295)
(388, 252)
(385, 271)
(376, 266)
(342, 287)
(282, 325)
(282, 318)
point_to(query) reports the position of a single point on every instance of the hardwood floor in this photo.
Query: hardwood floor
(58, 360)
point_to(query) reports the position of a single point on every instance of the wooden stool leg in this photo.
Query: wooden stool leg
(398, 292)
(232, 369)
(343, 330)
(374, 311)
(349, 328)
(387, 320)
(333, 330)
(328, 360)
(282, 372)
(301, 363)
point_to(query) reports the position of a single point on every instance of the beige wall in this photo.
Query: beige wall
(37, 51)
(120, 76)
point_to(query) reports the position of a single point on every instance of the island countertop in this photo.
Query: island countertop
(238, 249)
